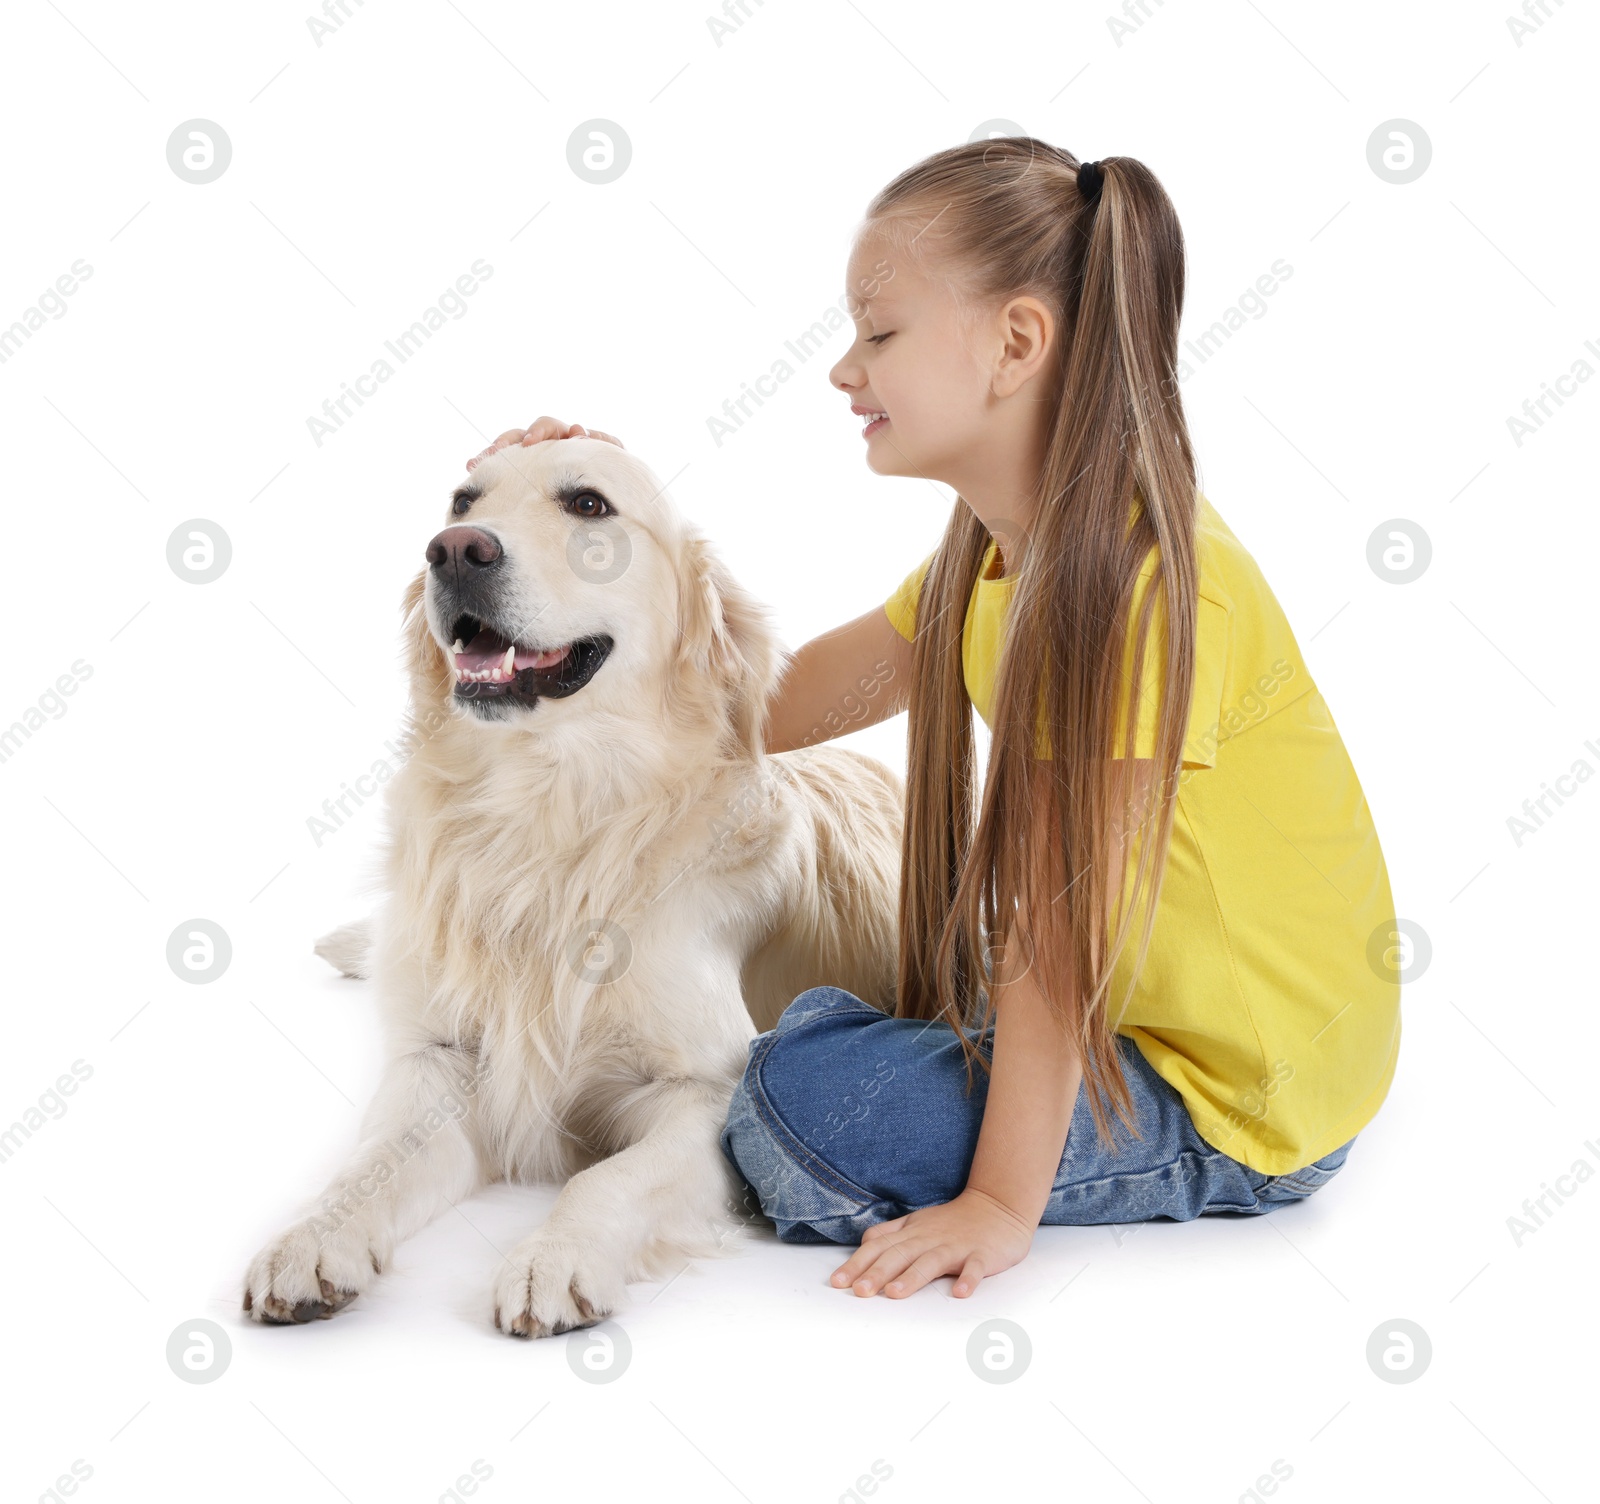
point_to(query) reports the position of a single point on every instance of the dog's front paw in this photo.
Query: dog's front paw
(299, 1276)
(551, 1285)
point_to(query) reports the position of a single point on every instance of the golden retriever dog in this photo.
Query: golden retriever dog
(596, 887)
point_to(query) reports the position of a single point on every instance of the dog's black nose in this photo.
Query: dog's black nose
(463, 545)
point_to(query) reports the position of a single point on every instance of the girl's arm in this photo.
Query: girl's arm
(1034, 1079)
(1033, 1086)
(854, 676)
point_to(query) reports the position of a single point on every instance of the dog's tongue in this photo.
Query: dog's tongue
(488, 650)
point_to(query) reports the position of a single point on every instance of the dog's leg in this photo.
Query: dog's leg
(669, 1192)
(417, 1155)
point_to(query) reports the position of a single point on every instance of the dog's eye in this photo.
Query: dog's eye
(460, 502)
(590, 504)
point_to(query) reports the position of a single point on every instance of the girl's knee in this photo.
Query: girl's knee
(817, 1001)
(794, 1188)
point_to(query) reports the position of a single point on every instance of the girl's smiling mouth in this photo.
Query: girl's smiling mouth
(875, 417)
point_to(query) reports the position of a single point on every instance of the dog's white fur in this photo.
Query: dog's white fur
(590, 907)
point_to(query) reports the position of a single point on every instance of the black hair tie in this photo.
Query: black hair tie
(1090, 179)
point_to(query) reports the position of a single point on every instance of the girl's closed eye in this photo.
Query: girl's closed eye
(878, 339)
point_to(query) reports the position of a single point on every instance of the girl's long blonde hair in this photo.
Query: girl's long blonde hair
(1004, 217)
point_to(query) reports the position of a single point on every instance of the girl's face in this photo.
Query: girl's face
(911, 360)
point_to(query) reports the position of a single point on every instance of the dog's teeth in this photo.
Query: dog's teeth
(510, 664)
(458, 647)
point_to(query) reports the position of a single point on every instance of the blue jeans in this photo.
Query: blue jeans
(846, 1117)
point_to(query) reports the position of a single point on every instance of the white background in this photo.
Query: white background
(1170, 1362)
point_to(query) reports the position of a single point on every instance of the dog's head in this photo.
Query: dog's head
(565, 583)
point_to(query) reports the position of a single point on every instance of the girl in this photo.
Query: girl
(1171, 902)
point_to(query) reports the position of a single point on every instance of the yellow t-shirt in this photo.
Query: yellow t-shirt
(1257, 1002)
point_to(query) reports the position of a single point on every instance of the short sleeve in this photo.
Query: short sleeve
(901, 607)
(1212, 631)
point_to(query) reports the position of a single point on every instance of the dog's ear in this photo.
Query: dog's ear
(727, 635)
(424, 658)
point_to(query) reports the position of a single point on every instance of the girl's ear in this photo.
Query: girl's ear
(726, 638)
(425, 662)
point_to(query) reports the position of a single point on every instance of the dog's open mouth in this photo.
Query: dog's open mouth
(492, 666)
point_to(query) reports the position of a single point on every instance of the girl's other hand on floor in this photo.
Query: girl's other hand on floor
(970, 1237)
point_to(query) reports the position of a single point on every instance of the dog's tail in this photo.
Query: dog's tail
(348, 948)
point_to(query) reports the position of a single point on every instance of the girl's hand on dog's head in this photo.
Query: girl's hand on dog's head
(540, 430)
